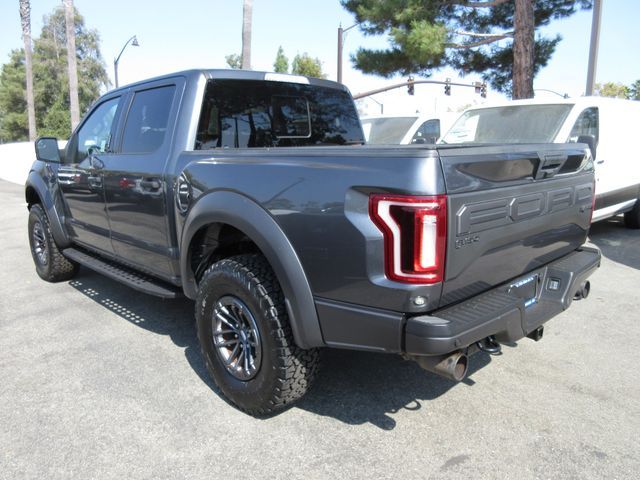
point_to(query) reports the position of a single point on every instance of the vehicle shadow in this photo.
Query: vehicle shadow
(361, 387)
(617, 243)
(173, 318)
(353, 387)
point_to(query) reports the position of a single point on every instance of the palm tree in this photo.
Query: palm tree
(247, 12)
(74, 104)
(25, 19)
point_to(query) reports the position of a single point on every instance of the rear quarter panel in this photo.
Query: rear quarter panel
(320, 199)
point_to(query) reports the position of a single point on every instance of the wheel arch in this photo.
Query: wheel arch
(249, 218)
(36, 191)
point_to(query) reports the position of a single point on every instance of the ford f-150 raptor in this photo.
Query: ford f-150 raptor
(254, 195)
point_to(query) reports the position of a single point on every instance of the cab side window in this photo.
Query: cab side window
(586, 124)
(95, 134)
(147, 120)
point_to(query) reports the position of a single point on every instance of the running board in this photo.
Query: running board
(122, 274)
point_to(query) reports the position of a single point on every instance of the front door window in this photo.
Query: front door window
(95, 134)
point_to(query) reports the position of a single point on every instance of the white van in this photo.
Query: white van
(608, 125)
(405, 129)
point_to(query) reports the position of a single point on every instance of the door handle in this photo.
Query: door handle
(150, 184)
(94, 181)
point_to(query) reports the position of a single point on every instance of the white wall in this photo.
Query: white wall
(16, 160)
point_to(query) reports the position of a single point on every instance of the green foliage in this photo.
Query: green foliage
(611, 89)
(426, 35)
(234, 61)
(56, 120)
(13, 103)
(634, 90)
(51, 86)
(281, 64)
(307, 66)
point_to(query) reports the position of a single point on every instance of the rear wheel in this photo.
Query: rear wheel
(246, 339)
(632, 217)
(51, 265)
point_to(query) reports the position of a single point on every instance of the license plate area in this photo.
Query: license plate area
(526, 288)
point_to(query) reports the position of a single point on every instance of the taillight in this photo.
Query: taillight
(415, 234)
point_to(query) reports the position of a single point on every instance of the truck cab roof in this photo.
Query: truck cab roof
(229, 74)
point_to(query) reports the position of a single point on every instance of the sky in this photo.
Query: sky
(187, 34)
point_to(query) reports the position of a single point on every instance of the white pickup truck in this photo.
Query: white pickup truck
(608, 125)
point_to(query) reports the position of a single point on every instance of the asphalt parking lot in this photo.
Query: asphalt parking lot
(99, 381)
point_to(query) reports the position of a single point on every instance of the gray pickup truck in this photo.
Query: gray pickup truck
(254, 195)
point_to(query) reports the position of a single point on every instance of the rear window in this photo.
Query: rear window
(512, 124)
(255, 114)
(147, 120)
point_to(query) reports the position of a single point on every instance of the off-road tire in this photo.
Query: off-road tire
(286, 371)
(52, 266)
(632, 217)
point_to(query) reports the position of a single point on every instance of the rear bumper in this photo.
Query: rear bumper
(500, 311)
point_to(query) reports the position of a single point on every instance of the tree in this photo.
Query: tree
(634, 90)
(51, 52)
(51, 85)
(611, 89)
(69, 15)
(234, 61)
(281, 64)
(247, 13)
(25, 19)
(308, 66)
(494, 38)
(13, 105)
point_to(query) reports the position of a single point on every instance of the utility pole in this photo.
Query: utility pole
(72, 66)
(593, 49)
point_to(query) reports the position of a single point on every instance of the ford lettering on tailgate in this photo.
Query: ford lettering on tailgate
(477, 217)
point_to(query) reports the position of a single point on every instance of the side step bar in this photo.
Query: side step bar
(122, 274)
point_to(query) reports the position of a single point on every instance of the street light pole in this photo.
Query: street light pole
(341, 32)
(134, 42)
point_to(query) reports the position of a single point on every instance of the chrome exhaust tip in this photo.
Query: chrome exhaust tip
(583, 291)
(453, 366)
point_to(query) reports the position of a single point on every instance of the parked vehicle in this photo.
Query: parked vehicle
(221, 186)
(608, 125)
(405, 129)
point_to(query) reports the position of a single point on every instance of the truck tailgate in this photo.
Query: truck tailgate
(511, 209)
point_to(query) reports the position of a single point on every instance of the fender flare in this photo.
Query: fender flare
(36, 182)
(250, 218)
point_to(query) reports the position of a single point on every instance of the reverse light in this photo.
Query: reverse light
(415, 232)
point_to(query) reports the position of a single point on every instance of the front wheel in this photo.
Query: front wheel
(246, 339)
(51, 265)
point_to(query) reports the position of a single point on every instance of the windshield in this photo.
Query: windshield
(385, 131)
(511, 124)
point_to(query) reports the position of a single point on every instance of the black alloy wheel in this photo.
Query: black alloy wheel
(246, 339)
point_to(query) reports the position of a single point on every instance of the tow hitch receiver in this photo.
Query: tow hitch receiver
(536, 335)
(490, 345)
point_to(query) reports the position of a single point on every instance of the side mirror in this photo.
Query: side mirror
(47, 149)
(590, 140)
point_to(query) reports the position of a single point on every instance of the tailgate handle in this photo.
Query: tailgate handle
(549, 165)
